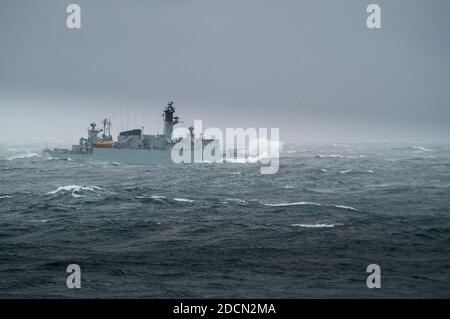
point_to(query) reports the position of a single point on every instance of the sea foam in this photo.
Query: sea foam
(314, 225)
(420, 148)
(75, 189)
(183, 200)
(311, 204)
(28, 155)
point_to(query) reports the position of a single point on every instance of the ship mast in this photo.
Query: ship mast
(169, 120)
(106, 129)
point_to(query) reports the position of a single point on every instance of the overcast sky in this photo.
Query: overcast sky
(311, 68)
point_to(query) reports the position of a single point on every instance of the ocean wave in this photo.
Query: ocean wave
(340, 145)
(340, 156)
(162, 198)
(330, 156)
(420, 148)
(344, 207)
(311, 204)
(292, 204)
(236, 200)
(75, 189)
(29, 155)
(314, 225)
(39, 220)
(157, 197)
(65, 159)
(183, 200)
(242, 160)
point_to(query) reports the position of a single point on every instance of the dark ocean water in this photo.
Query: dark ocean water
(226, 230)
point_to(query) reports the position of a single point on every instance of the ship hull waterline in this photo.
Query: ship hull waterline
(128, 156)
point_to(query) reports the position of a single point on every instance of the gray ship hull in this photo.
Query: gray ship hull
(122, 156)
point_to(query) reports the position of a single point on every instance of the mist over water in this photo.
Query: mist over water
(225, 230)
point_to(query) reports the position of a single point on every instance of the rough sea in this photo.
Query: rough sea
(226, 231)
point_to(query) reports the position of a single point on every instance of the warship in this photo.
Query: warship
(133, 146)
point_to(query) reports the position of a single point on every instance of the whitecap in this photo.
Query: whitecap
(310, 204)
(370, 171)
(238, 200)
(293, 204)
(324, 170)
(346, 171)
(314, 225)
(39, 221)
(234, 200)
(289, 187)
(420, 148)
(6, 196)
(183, 200)
(340, 156)
(265, 148)
(331, 156)
(74, 189)
(344, 207)
(29, 155)
(156, 197)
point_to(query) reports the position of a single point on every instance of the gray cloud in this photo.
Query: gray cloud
(311, 68)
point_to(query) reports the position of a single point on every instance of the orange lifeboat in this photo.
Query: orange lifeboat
(103, 144)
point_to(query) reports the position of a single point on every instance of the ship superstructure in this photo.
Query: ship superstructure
(132, 146)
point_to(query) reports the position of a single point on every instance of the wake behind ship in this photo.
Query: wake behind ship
(132, 146)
